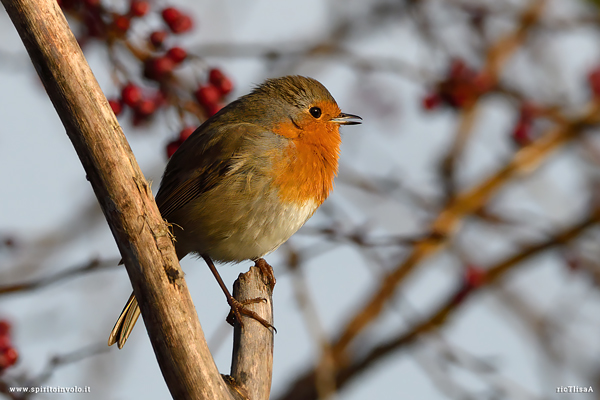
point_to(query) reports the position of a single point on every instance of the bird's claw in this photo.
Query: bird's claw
(267, 272)
(238, 308)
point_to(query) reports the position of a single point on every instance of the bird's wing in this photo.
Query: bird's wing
(202, 162)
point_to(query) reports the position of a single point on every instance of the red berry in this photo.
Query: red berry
(212, 109)
(177, 21)
(116, 106)
(225, 87)
(572, 262)
(208, 95)
(483, 82)
(474, 276)
(10, 357)
(218, 79)
(462, 85)
(181, 25)
(4, 327)
(3, 363)
(431, 101)
(522, 132)
(460, 94)
(172, 147)
(459, 70)
(4, 343)
(215, 76)
(157, 38)
(594, 81)
(170, 15)
(131, 94)
(177, 54)
(145, 108)
(122, 23)
(186, 133)
(529, 111)
(139, 8)
(158, 68)
(163, 65)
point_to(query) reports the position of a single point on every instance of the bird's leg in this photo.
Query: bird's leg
(267, 271)
(237, 308)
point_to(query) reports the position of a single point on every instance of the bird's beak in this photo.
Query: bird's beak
(346, 119)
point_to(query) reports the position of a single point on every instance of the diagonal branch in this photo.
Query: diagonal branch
(305, 387)
(446, 223)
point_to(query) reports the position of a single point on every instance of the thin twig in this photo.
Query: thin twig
(90, 266)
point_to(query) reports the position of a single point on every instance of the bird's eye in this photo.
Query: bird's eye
(315, 112)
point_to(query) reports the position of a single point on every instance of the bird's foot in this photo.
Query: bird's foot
(238, 308)
(267, 271)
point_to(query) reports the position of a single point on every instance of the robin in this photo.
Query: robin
(248, 178)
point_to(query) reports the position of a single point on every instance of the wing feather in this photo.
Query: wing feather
(201, 164)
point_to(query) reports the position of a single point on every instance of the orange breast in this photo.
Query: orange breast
(307, 167)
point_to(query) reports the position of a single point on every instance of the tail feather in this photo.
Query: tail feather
(125, 323)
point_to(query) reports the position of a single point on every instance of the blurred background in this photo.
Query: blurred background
(456, 259)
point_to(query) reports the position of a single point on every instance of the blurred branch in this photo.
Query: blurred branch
(91, 266)
(330, 47)
(468, 202)
(64, 360)
(496, 58)
(450, 357)
(305, 51)
(361, 237)
(325, 371)
(304, 387)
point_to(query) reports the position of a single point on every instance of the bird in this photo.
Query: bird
(248, 178)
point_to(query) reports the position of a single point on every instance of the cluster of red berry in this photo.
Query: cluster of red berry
(101, 23)
(159, 63)
(210, 97)
(143, 105)
(177, 21)
(461, 87)
(522, 132)
(8, 354)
